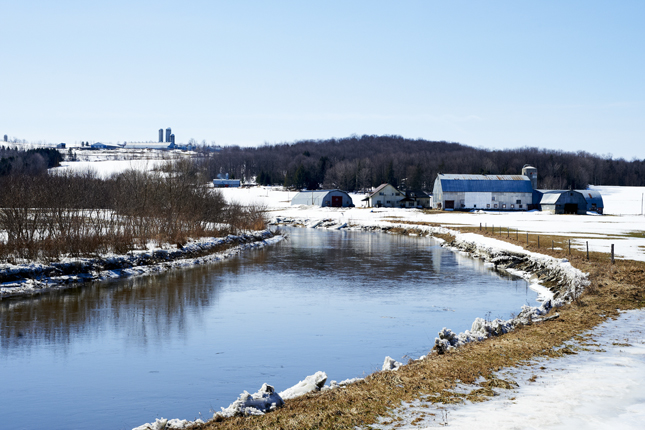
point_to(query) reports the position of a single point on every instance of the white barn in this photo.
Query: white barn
(488, 192)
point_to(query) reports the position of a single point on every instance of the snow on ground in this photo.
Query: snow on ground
(109, 162)
(599, 387)
(621, 200)
(623, 229)
(106, 168)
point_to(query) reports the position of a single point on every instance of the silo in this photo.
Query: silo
(531, 172)
(161, 135)
(172, 138)
(168, 133)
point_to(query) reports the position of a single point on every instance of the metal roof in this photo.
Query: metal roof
(380, 187)
(550, 198)
(485, 183)
(592, 197)
(315, 197)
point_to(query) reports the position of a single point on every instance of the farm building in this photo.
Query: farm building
(323, 198)
(493, 192)
(594, 200)
(562, 202)
(226, 183)
(385, 195)
(415, 199)
(223, 181)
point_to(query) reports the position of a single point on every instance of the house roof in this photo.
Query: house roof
(380, 187)
(485, 183)
(417, 194)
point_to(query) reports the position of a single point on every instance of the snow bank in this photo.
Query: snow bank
(265, 400)
(311, 383)
(164, 424)
(34, 278)
(391, 364)
(569, 284)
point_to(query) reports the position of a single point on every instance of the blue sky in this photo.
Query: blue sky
(553, 74)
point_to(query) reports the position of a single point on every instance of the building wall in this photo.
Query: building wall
(347, 200)
(388, 197)
(484, 200)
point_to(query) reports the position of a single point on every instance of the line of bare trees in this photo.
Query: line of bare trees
(51, 215)
(361, 162)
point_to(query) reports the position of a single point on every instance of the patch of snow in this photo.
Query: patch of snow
(265, 400)
(310, 384)
(391, 364)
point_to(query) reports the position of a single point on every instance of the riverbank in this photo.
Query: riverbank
(434, 379)
(19, 280)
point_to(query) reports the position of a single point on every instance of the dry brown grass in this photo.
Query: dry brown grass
(613, 287)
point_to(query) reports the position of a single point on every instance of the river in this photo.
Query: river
(115, 355)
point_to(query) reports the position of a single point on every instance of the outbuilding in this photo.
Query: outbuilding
(323, 198)
(415, 199)
(487, 192)
(563, 202)
(594, 200)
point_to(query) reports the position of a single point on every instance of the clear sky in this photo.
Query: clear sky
(564, 75)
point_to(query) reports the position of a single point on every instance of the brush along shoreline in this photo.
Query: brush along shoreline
(557, 281)
(23, 280)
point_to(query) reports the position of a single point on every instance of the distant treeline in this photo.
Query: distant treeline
(30, 162)
(358, 163)
(46, 216)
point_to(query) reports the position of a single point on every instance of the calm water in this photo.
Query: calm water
(117, 355)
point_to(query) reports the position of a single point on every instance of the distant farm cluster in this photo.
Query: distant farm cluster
(456, 192)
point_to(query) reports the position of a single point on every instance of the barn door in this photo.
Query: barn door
(450, 204)
(337, 201)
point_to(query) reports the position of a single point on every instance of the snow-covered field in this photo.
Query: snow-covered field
(621, 227)
(108, 162)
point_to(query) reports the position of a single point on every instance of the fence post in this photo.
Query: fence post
(587, 250)
(612, 254)
(508, 232)
(538, 241)
(517, 234)
(569, 246)
(527, 238)
(552, 246)
(480, 226)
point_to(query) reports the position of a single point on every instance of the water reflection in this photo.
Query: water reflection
(145, 307)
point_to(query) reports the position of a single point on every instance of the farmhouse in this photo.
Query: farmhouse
(385, 195)
(493, 192)
(323, 198)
